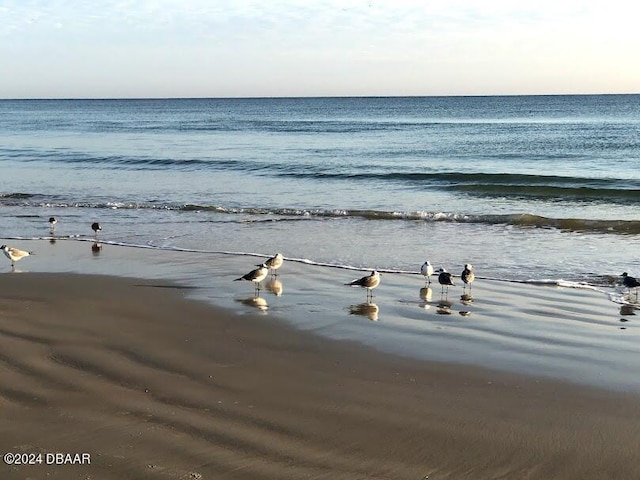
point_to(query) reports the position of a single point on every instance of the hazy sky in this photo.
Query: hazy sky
(223, 48)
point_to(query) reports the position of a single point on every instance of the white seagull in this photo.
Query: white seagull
(427, 271)
(256, 276)
(52, 222)
(14, 254)
(369, 282)
(274, 263)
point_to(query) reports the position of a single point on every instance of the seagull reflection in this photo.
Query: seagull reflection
(96, 248)
(274, 286)
(425, 295)
(255, 302)
(444, 307)
(369, 310)
(466, 299)
(627, 310)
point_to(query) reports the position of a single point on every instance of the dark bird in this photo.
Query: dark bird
(256, 276)
(444, 279)
(369, 283)
(467, 275)
(630, 282)
(95, 226)
(52, 223)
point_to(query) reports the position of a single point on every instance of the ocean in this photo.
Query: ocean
(541, 190)
(523, 187)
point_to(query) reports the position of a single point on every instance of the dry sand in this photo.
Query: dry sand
(151, 385)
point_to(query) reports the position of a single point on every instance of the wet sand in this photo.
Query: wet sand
(152, 385)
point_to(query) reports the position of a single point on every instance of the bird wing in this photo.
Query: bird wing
(18, 253)
(358, 282)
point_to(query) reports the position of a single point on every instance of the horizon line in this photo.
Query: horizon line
(273, 97)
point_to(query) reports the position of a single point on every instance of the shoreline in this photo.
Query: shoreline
(155, 385)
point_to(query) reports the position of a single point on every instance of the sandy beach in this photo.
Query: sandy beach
(149, 384)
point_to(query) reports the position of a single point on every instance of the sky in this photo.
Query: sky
(275, 48)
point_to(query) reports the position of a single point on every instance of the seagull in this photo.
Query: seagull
(274, 263)
(444, 279)
(630, 282)
(14, 254)
(427, 271)
(95, 226)
(52, 222)
(255, 276)
(274, 286)
(467, 275)
(369, 282)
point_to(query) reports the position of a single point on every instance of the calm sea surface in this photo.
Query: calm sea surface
(525, 188)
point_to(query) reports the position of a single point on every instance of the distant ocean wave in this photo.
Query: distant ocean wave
(505, 184)
(479, 184)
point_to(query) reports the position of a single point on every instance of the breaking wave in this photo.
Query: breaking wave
(259, 214)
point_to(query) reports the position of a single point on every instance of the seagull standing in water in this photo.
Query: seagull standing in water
(14, 254)
(256, 276)
(468, 276)
(369, 282)
(630, 282)
(52, 223)
(444, 279)
(95, 226)
(274, 263)
(427, 271)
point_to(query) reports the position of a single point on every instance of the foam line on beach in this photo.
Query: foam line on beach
(307, 261)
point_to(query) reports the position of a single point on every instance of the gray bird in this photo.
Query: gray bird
(256, 276)
(467, 275)
(14, 254)
(274, 263)
(369, 283)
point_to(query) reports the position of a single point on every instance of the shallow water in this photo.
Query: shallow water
(574, 334)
